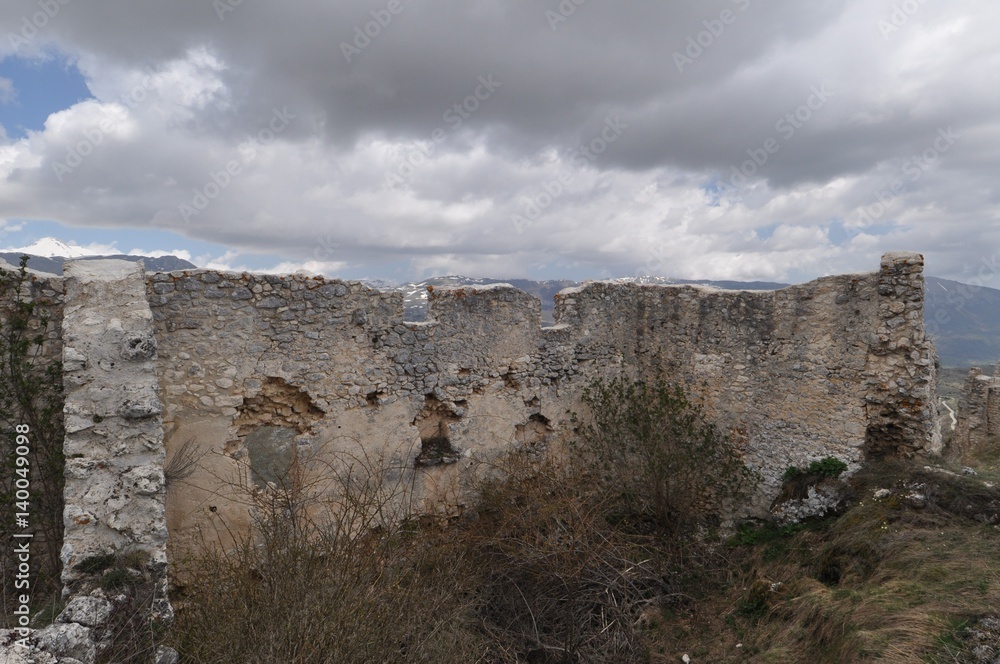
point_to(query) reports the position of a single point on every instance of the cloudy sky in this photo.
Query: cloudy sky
(396, 139)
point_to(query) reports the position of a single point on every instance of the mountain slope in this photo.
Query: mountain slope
(964, 322)
(53, 264)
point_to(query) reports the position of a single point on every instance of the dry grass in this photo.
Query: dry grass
(891, 580)
(543, 571)
(552, 567)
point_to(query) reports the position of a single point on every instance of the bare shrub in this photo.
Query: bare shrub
(341, 578)
(653, 452)
(556, 582)
(554, 561)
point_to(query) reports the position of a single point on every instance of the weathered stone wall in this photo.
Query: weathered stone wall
(114, 436)
(978, 425)
(838, 366)
(237, 375)
(114, 484)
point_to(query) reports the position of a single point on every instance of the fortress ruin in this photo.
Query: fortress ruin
(245, 372)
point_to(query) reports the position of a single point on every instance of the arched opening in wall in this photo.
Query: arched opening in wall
(415, 305)
(268, 425)
(532, 436)
(435, 443)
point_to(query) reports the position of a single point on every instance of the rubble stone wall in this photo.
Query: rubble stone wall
(195, 389)
(835, 367)
(978, 425)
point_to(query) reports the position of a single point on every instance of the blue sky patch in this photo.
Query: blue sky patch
(40, 88)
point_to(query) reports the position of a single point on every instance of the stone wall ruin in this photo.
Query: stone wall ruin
(978, 420)
(228, 379)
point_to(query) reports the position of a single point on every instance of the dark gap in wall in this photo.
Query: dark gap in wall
(533, 435)
(432, 423)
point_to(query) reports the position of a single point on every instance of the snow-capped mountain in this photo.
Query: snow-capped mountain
(50, 247)
(49, 253)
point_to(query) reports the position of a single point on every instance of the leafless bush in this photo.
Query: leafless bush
(325, 577)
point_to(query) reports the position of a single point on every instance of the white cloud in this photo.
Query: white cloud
(263, 138)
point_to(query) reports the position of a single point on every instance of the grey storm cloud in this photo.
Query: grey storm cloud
(739, 114)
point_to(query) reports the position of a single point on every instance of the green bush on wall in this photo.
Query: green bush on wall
(830, 467)
(652, 447)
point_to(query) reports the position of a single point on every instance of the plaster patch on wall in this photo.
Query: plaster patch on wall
(271, 454)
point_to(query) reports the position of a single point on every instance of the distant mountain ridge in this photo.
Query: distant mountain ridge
(49, 253)
(53, 264)
(964, 322)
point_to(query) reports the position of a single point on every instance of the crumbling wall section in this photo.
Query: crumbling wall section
(993, 409)
(901, 377)
(239, 377)
(839, 366)
(114, 438)
(978, 425)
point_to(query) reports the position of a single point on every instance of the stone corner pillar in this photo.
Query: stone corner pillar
(115, 487)
(902, 365)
